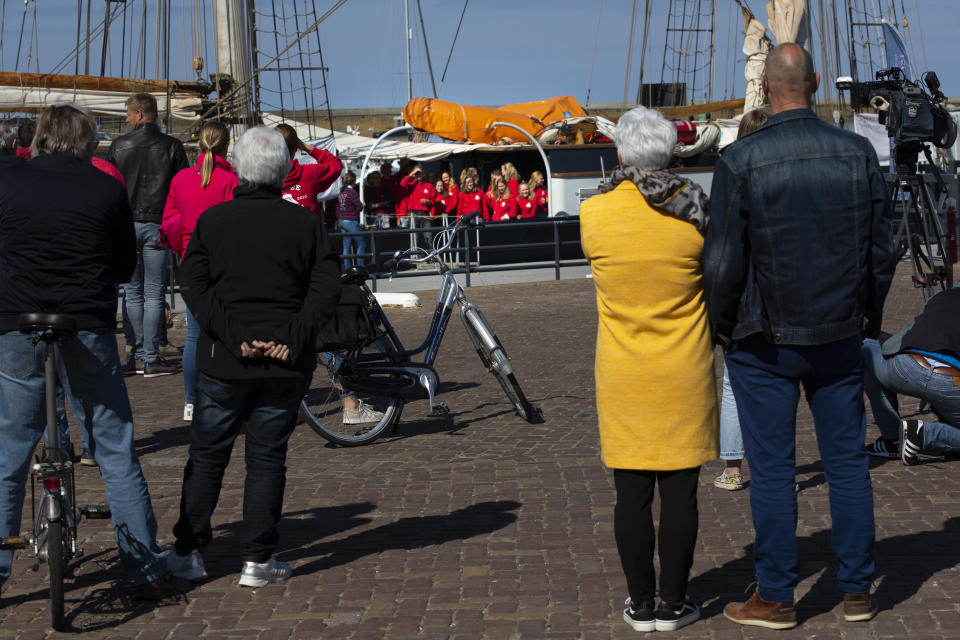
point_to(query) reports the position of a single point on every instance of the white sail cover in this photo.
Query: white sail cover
(756, 46)
(183, 107)
(784, 18)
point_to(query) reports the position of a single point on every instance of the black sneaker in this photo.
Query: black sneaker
(133, 367)
(672, 617)
(86, 458)
(160, 368)
(166, 586)
(884, 448)
(640, 617)
(912, 441)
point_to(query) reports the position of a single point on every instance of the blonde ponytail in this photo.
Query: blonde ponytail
(214, 136)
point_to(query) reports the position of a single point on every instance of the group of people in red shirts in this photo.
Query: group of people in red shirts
(411, 193)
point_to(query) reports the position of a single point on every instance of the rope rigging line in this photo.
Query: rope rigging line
(457, 35)
(593, 61)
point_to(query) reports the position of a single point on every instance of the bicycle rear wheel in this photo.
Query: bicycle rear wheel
(57, 562)
(496, 360)
(323, 406)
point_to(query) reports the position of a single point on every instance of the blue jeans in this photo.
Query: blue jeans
(731, 440)
(350, 226)
(766, 381)
(190, 359)
(89, 368)
(266, 411)
(143, 295)
(884, 378)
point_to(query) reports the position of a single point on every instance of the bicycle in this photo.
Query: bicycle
(382, 370)
(55, 517)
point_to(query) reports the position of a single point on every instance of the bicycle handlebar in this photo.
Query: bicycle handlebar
(404, 257)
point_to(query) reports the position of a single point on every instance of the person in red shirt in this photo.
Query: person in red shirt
(503, 205)
(450, 184)
(537, 188)
(192, 191)
(471, 200)
(25, 134)
(378, 203)
(525, 205)
(512, 176)
(305, 182)
(444, 203)
(419, 203)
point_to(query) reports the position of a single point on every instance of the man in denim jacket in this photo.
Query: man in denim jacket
(797, 263)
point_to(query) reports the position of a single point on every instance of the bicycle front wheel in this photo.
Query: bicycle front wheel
(324, 407)
(496, 360)
(57, 562)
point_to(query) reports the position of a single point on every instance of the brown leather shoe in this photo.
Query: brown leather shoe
(858, 607)
(762, 613)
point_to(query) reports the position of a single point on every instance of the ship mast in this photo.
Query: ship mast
(235, 57)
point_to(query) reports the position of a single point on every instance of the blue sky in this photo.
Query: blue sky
(508, 50)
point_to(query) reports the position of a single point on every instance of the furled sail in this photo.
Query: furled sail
(756, 46)
(784, 18)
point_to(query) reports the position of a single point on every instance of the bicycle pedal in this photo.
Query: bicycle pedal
(96, 512)
(439, 409)
(14, 542)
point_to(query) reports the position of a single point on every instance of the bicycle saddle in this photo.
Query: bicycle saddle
(60, 324)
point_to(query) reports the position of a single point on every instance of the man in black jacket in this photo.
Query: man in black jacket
(66, 241)
(260, 277)
(148, 160)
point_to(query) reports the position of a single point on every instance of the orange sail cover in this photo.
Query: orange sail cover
(465, 123)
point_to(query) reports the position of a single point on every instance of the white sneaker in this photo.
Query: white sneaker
(188, 413)
(189, 567)
(362, 414)
(258, 574)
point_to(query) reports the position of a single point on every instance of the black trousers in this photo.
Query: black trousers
(266, 410)
(634, 531)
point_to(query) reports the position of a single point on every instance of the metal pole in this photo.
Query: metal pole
(407, 35)
(556, 249)
(543, 155)
(366, 161)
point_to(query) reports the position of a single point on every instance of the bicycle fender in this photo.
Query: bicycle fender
(50, 506)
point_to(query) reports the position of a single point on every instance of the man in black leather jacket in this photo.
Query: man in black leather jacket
(148, 160)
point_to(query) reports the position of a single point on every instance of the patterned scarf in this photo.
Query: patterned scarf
(666, 192)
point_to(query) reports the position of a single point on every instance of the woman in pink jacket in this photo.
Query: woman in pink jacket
(192, 191)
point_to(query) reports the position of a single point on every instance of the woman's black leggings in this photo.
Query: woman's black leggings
(633, 529)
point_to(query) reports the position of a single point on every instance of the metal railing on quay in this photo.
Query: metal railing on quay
(468, 255)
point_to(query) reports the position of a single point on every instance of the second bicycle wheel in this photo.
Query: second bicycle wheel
(495, 359)
(57, 563)
(325, 406)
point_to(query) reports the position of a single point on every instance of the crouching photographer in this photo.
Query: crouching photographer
(922, 360)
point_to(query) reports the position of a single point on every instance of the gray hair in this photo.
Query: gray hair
(645, 139)
(7, 137)
(261, 158)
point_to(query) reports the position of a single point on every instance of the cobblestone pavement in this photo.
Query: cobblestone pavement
(479, 525)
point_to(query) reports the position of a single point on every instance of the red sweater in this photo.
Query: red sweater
(527, 208)
(503, 210)
(444, 204)
(470, 202)
(186, 200)
(514, 187)
(417, 191)
(540, 198)
(305, 182)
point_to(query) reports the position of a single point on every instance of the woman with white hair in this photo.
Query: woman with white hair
(259, 277)
(656, 392)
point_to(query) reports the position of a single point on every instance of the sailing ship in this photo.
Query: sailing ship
(267, 66)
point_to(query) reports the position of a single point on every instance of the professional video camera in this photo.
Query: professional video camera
(911, 116)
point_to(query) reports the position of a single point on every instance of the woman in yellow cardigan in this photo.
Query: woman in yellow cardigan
(656, 391)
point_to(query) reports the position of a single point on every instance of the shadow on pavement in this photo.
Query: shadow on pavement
(407, 533)
(904, 563)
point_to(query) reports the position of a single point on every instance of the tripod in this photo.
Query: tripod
(921, 232)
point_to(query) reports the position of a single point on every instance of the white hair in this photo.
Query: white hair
(261, 158)
(645, 139)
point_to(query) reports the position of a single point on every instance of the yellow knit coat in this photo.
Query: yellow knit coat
(656, 390)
